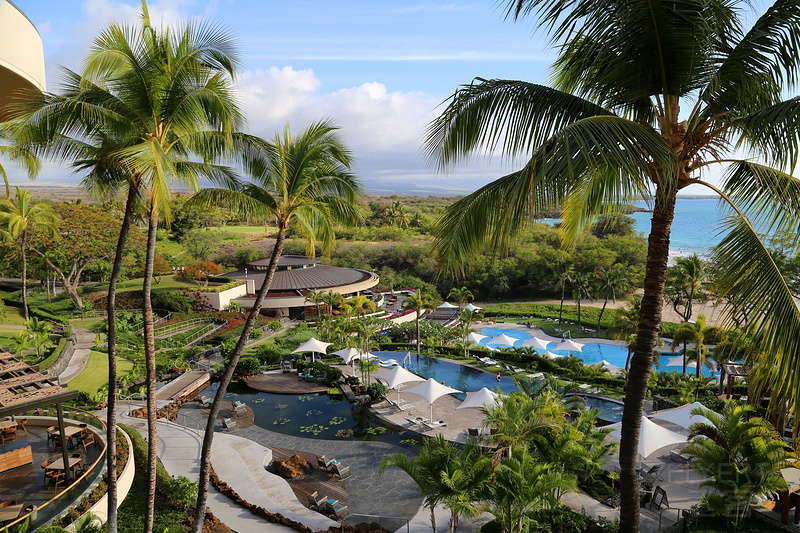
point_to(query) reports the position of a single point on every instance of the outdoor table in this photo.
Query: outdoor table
(5, 424)
(58, 464)
(69, 432)
(10, 513)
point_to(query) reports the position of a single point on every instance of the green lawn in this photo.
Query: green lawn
(95, 375)
(168, 283)
(6, 335)
(242, 229)
(11, 316)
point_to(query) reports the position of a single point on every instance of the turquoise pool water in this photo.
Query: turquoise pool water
(592, 352)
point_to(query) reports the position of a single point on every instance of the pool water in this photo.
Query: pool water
(610, 410)
(592, 353)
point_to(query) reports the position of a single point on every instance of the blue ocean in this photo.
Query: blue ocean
(695, 229)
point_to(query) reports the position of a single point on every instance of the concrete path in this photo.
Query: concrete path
(83, 345)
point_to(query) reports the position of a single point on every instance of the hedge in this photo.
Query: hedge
(48, 362)
(333, 373)
(216, 288)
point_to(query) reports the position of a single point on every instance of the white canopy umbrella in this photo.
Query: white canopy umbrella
(678, 361)
(314, 346)
(347, 354)
(476, 337)
(614, 370)
(682, 416)
(502, 339)
(569, 345)
(447, 305)
(432, 390)
(389, 363)
(551, 355)
(481, 398)
(473, 308)
(535, 342)
(397, 376)
(652, 437)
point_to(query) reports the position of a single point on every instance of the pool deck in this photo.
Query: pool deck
(278, 382)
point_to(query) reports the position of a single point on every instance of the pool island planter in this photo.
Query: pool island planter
(124, 483)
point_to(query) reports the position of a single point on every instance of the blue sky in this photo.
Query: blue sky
(378, 69)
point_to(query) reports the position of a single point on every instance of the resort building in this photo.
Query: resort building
(21, 55)
(295, 277)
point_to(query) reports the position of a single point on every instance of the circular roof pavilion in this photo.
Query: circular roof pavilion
(297, 275)
(21, 55)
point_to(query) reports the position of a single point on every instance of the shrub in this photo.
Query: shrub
(183, 492)
(256, 333)
(376, 391)
(247, 366)
(269, 354)
(333, 373)
(175, 301)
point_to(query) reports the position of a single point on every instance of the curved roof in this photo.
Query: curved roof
(21, 54)
(286, 261)
(317, 277)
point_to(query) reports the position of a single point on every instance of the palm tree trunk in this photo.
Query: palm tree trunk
(24, 241)
(684, 357)
(579, 315)
(561, 309)
(150, 365)
(418, 335)
(642, 360)
(600, 318)
(111, 414)
(205, 457)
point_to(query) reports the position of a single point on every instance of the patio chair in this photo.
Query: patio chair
(339, 471)
(322, 464)
(55, 477)
(239, 408)
(336, 509)
(21, 422)
(228, 424)
(322, 377)
(87, 440)
(205, 402)
(79, 466)
(652, 475)
(660, 504)
(8, 433)
(287, 366)
(8, 503)
(316, 502)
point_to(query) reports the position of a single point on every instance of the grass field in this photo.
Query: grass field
(95, 375)
(11, 316)
(243, 229)
(168, 283)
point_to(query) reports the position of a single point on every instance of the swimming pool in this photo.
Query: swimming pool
(592, 353)
(610, 409)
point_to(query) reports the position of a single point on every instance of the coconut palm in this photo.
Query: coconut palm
(461, 296)
(16, 152)
(418, 303)
(741, 457)
(317, 298)
(562, 272)
(683, 283)
(648, 95)
(333, 299)
(360, 305)
(581, 290)
(303, 181)
(610, 282)
(20, 216)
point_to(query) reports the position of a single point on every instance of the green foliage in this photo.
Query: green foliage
(176, 301)
(183, 492)
(333, 373)
(269, 353)
(47, 362)
(256, 333)
(376, 391)
(247, 366)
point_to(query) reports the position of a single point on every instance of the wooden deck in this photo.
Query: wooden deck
(284, 383)
(325, 484)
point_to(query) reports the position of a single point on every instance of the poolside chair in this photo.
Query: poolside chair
(322, 377)
(228, 424)
(322, 464)
(239, 408)
(336, 509)
(205, 402)
(316, 502)
(652, 475)
(414, 421)
(339, 471)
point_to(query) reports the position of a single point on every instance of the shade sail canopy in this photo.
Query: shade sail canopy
(447, 305)
(503, 340)
(551, 355)
(682, 416)
(348, 354)
(398, 375)
(614, 370)
(652, 437)
(473, 308)
(432, 390)
(312, 345)
(535, 342)
(678, 361)
(476, 400)
(476, 337)
(569, 345)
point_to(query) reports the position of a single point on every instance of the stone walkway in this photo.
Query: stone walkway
(83, 346)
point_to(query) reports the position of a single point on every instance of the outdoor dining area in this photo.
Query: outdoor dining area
(49, 454)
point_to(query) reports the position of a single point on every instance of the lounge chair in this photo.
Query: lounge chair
(322, 377)
(322, 463)
(228, 424)
(335, 508)
(338, 470)
(473, 432)
(652, 475)
(239, 408)
(414, 421)
(316, 502)
(400, 406)
(205, 402)
(434, 425)
(677, 457)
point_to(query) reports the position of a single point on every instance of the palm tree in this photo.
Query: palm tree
(303, 180)
(741, 457)
(611, 130)
(316, 298)
(683, 282)
(581, 289)
(694, 332)
(610, 282)
(562, 272)
(142, 133)
(418, 303)
(39, 333)
(20, 216)
(624, 324)
(16, 152)
(467, 318)
(361, 305)
(332, 299)
(461, 295)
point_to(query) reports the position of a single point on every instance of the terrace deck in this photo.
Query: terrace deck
(284, 383)
(325, 484)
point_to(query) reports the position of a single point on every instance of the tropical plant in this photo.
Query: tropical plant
(740, 457)
(317, 298)
(418, 303)
(21, 216)
(611, 130)
(693, 332)
(581, 290)
(16, 152)
(610, 282)
(333, 299)
(516, 417)
(303, 180)
(446, 473)
(360, 305)
(683, 283)
(624, 324)
(562, 272)
(460, 295)
(521, 485)
(39, 333)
